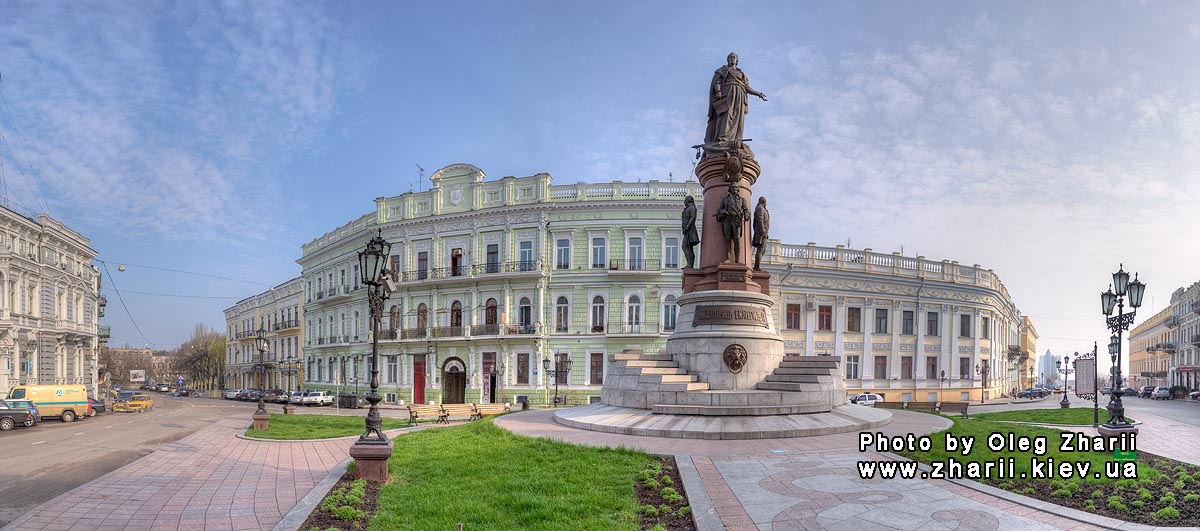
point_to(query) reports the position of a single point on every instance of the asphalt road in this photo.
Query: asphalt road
(53, 457)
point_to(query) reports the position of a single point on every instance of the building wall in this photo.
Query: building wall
(280, 312)
(1026, 369)
(1149, 359)
(1184, 326)
(49, 293)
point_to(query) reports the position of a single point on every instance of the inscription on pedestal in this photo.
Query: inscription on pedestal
(730, 314)
(733, 276)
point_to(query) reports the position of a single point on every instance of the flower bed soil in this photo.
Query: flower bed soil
(324, 521)
(673, 520)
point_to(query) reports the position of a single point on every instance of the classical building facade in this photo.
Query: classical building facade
(279, 311)
(49, 295)
(496, 279)
(909, 329)
(1149, 359)
(1028, 354)
(1183, 345)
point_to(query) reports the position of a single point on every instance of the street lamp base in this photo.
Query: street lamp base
(1064, 403)
(1116, 430)
(260, 420)
(371, 460)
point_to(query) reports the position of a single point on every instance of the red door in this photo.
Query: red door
(419, 379)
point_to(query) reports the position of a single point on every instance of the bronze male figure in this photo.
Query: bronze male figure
(691, 237)
(762, 224)
(733, 215)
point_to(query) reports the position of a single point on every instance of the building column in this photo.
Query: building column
(945, 315)
(839, 326)
(866, 362)
(896, 321)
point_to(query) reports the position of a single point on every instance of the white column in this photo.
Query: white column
(839, 326)
(866, 362)
(896, 319)
(919, 349)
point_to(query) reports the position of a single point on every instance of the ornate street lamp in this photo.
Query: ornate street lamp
(562, 365)
(1115, 297)
(983, 376)
(1065, 366)
(260, 415)
(372, 450)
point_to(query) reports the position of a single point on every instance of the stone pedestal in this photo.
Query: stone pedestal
(371, 460)
(714, 273)
(710, 322)
(288, 409)
(1116, 430)
(260, 421)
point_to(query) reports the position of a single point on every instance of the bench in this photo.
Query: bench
(489, 409)
(954, 407)
(921, 406)
(419, 412)
(458, 411)
(890, 405)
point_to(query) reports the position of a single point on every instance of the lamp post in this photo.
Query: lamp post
(356, 366)
(561, 366)
(1115, 297)
(1065, 366)
(1089, 358)
(291, 361)
(260, 415)
(372, 449)
(983, 378)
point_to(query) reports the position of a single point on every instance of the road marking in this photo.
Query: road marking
(39, 442)
(80, 433)
(107, 427)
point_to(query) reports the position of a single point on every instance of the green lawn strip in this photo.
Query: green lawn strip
(490, 479)
(1066, 417)
(300, 427)
(1022, 460)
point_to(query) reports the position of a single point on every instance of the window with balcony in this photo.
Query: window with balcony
(457, 269)
(525, 255)
(964, 326)
(524, 312)
(670, 313)
(854, 319)
(456, 314)
(906, 323)
(422, 265)
(422, 316)
(793, 316)
(598, 314)
(394, 318)
(562, 254)
(852, 367)
(637, 260)
(491, 312)
(562, 315)
(599, 253)
(671, 253)
(881, 320)
(931, 324)
(522, 368)
(825, 317)
(493, 258)
(633, 315)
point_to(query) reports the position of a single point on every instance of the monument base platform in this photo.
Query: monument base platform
(630, 421)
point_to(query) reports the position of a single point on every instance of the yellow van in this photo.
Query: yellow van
(66, 401)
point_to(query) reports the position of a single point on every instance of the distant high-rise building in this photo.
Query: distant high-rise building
(1046, 368)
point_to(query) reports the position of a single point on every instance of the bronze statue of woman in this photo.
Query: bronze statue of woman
(727, 103)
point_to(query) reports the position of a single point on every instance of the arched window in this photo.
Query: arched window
(597, 314)
(561, 315)
(393, 318)
(422, 316)
(456, 314)
(670, 313)
(490, 314)
(633, 315)
(345, 331)
(320, 340)
(357, 330)
(525, 313)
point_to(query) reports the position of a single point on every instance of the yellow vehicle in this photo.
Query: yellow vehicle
(67, 402)
(136, 404)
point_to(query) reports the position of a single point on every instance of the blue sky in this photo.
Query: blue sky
(1048, 141)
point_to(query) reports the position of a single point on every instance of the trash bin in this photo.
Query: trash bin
(524, 401)
(348, 401)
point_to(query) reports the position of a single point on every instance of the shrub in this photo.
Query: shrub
(1167, 499)
(1184, 477)
(1073, 487)
(658, 527)
(1126, 484)
(1144, 494)
(666, 480)
(1167, 513)
(652, 484)
(684, 511)
(1090, 506)
(1027, 491)
(1056, 484)
(349, 513)
(1137, 503)
(1191, 497)
(1116, 505)
(1097, 493)
(1064, 493)
(1180, 484)
(1196, 476)
(650, 511)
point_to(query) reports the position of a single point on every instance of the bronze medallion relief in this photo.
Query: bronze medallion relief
(735, 358)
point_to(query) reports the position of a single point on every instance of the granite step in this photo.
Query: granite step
(648, 363)
(697, 386)
(639, 356)
(796, 378)
(802, 363)
(736, 411)
(667, 378)
(788, 386)
(802, 370)
(662, 370)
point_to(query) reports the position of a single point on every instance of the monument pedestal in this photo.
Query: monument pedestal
(371, 460)
(260, 420)
(717, 327)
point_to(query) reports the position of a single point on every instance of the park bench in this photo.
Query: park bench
(890, 405)
(954, 407)
(922, 406)
(417, 412)
(457, 411)
(489, 409)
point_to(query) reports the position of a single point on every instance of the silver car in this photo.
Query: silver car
(1161, 393)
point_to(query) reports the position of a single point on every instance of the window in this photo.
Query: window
(880, 367)
(670, 313)
(422, 316)
(456, 314)
(422, 265)
(490, 312)
(596, 372)
(824, 317)
(906, 323)
(342, 277)
(525, 255)
(597, 314)
(931, 324)
(881, 319)
(964, 367)
(561, 315)
(633, 315)
(356, 327)
(852, 367)
(523, 368)
(560, 376)
(906, 369)
(636, 260)
(931, 367)
(394, 318)
(964, 325)
(356, 283)
(793, 317)
(493, 258)
(393, 369)
(457, 269)
(395, 264)
(984, 331)
(671, 253)
(562, 254)
(854, 319)
(599, 253)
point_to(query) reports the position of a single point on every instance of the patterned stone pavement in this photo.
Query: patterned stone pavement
(812, 483)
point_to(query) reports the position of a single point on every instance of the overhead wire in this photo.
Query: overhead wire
(20, 140)
(127, 264)
(182, 296)
(112, 281)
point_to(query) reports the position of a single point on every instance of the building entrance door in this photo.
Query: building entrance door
(419, 379)
(454, 382)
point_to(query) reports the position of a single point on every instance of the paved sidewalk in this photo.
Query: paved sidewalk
(810, 483)
(208, 481)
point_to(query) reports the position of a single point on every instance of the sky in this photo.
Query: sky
(201, 144)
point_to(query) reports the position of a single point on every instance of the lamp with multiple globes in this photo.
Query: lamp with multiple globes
(372, 449)
(1065, 366)
(260, 343)
(562, 365)
(1114, 298)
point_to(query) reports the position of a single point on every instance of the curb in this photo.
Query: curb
(704, 515)
(242, 435)
(296, 517)
(1039, 505)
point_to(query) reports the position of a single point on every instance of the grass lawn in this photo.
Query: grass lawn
(1067, 417)
(297, 427)
(490, 479)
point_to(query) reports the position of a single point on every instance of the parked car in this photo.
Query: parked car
(11, 417)
(1034, 392)
(866, 399)
(1162, 393)
(1194, 395)
(296, 398)
(162, 388)
(251, 395)
(65, 401)
(318, 398)
(282, 396)
(97, 406)
(272, 395)
(23, 404)
(1147, 391)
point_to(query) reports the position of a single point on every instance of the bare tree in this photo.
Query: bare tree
(203, 358)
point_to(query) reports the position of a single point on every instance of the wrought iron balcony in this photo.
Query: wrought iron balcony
(449, 331)
(1169, 347)
(633, 265)
(284, 325)
(1171, 321)
(1195, 306)
(1196, 340)
(485, 330)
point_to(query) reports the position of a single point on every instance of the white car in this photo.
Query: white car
(1161, 393)
(866, 399)
(318, 398)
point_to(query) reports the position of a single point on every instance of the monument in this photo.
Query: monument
(724, 373)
